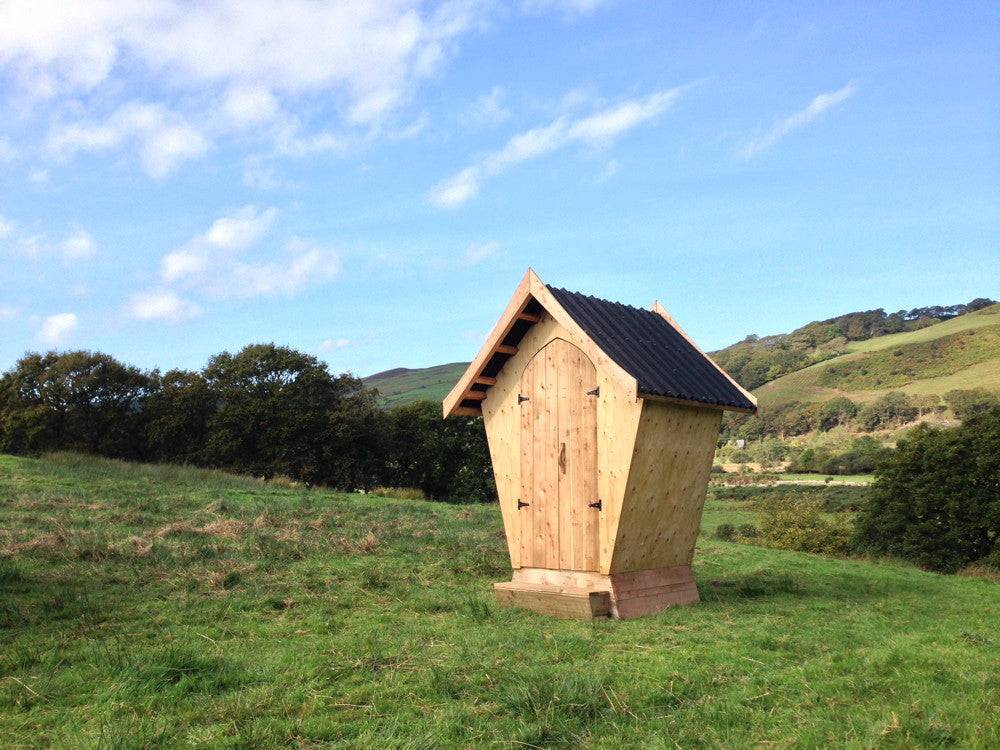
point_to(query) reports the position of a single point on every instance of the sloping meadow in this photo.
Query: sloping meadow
(149, 605)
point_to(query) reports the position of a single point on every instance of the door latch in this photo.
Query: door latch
(595, 392)
(595, 505)
(522, 504)
(521, 399)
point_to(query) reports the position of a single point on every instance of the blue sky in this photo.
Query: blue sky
(368, 181)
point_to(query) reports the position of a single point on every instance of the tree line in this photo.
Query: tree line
(266, 410)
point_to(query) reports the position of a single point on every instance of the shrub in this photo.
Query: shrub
(936, 498)
(797, 522)
(893, 408)
(967, 403)
(726, 532)
(747, 531)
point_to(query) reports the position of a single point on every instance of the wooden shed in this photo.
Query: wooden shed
(602, 421)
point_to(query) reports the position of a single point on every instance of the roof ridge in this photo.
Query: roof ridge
(600, 299)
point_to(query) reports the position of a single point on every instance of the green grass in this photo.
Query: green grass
(155, 606)
(402, 385)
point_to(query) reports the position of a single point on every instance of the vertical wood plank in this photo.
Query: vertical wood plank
(587, 470)
(526, 529)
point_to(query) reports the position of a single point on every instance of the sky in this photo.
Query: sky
(368, 181)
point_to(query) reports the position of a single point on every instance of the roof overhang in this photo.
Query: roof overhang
(530, 297)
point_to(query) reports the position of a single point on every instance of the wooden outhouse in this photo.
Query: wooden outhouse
(602, 422)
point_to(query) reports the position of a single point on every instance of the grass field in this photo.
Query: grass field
(156, 606)
(402, 385)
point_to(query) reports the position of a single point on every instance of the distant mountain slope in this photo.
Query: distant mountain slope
(759, 360)
(963, 352)
(855, 355)
(402, 385)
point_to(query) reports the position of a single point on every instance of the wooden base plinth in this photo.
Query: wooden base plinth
(580, 594)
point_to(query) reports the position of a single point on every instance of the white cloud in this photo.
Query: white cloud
(227, 234)
(163, 139)
(783, 127)
(327, 345)
(39, 176)
(487, 110)
(6, 227)
(77, 246)
(597, 130)
(457, 189)
(240, 229)
(7, 152)
(8, 312)
(568, 7)
(371, 53)
(244, 106)
(162, 304)
(305, 265)
(478, 252)
(212, 264)
(603, 127)
(56, 328)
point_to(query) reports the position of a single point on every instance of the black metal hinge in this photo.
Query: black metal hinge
(595, 392)
(522, 399)
(595, 505)
(522, 504)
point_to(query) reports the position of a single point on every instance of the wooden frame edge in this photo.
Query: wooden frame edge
(451, 404)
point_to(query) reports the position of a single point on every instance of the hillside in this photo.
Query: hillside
(162, 606)
(855, 355)
(402, 385)
(963, 352)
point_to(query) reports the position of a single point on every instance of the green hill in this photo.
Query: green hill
(402, 385)
(963, 352)
(861, 355)
(163, 606)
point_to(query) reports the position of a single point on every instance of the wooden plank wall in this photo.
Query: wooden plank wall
(559, 460)
(667, 482)
(618, 412)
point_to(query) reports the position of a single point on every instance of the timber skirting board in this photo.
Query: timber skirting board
(581, 594)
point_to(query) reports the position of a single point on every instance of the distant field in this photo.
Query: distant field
(402, 385)
(959, 353)
(838, 478)
(145, 606)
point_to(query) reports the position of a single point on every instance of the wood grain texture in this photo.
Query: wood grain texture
(633, 594)
(617, 419)
(554, 601)
(667, 482)
(558, 459)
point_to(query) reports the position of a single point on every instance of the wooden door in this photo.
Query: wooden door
(558, 526)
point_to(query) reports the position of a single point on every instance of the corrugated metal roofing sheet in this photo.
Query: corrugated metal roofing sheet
(651, 350)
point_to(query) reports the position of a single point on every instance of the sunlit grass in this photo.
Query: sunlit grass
(145, 606)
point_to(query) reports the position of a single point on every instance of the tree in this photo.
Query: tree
(446, 458)
(178, 410)
(79, 400)
(895, 407)
(836, 411)
(272, 411)
(969, 402)
(936, 498)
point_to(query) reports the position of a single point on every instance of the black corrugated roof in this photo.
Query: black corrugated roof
(651, 350)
